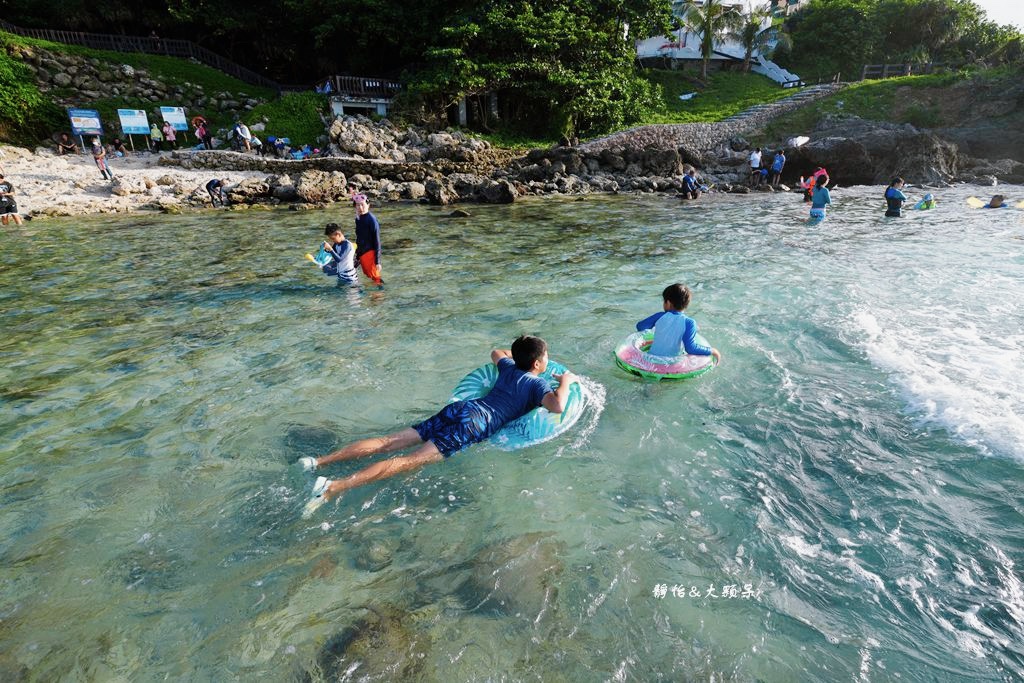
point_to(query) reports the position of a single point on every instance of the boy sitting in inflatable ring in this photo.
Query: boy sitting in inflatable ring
(517, 391)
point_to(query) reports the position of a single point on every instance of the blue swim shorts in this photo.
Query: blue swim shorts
(455, 426)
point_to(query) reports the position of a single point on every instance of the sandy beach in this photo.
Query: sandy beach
(50, 185)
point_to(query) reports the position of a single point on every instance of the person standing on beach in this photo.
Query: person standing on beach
(778, 163)
(367, 239)
(99, 155)
(8, 207)
(169, 135)
(156, 136)
(755, 167)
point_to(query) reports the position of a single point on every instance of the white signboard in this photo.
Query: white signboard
(174, 116)
(134, 121)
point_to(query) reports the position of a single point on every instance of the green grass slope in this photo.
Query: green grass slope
(725, 94)
(930, 101)
(28, 116)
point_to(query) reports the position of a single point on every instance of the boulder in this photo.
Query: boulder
(860, 152)
(123, 187)
(321, 186)
(439, 191)
(497, 192)
(413, 190)
(249, 191)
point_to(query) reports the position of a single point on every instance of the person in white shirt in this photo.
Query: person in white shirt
(755, 167)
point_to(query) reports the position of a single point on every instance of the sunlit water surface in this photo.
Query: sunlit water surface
(841, 500)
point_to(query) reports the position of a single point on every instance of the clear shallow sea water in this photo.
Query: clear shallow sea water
(854, 469)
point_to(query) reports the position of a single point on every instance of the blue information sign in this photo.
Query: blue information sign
(85, 122)
(133, 121)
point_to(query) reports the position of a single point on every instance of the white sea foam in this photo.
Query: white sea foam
(956, 376)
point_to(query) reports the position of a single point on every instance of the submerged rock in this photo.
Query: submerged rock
(382, 646)
(516, 576)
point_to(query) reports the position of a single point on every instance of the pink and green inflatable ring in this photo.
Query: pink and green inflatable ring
(631, 355)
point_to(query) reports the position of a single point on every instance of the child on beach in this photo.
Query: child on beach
(8, 207)
(894, 198)
(342, 253)
(517, 391)
(99, 155)
(367, 239)
(675, 331)
(691, 186)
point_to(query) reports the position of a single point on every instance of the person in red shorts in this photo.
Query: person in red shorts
(367, 239)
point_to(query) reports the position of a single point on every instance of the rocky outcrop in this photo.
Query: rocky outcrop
(75, 80)
(318, 187)
(860, 152)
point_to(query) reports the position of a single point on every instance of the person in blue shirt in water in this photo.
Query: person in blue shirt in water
(517, 391)
(894, 198)
(820, 198)
(674, 331)
(691, 186)
(343, 256)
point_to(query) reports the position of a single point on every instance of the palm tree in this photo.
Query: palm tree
(751, 35)
(712, 21)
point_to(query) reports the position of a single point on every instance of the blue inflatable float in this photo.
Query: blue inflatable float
(536, 426)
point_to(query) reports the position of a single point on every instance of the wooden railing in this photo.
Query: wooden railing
(185, 49)
(891, 70)
(355, 86)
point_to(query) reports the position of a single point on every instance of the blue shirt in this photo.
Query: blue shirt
(367, 235)
(689, 183)
(894, 201)
(820, 197)
(514, 394)
(778, 163)
(342, 263)
(673, 330)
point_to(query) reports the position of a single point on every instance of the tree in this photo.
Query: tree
(563, 66)
(712, 21)
(752, 35)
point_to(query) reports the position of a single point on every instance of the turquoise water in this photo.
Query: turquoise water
(853, 469)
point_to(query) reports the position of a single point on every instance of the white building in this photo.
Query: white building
(683, 46)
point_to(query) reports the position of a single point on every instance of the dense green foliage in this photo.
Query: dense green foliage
(723, 94)
(25, 114)
(295, 116)
(840, 36)
(565, 66)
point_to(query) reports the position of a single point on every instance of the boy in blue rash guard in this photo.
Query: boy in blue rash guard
(517, 391)
(342, 264)
(894, 199)
(691, 188)
(673, 330)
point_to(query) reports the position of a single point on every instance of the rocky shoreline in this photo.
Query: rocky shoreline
(441, 168)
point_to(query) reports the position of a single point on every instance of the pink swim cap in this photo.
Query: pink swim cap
(359, 198)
